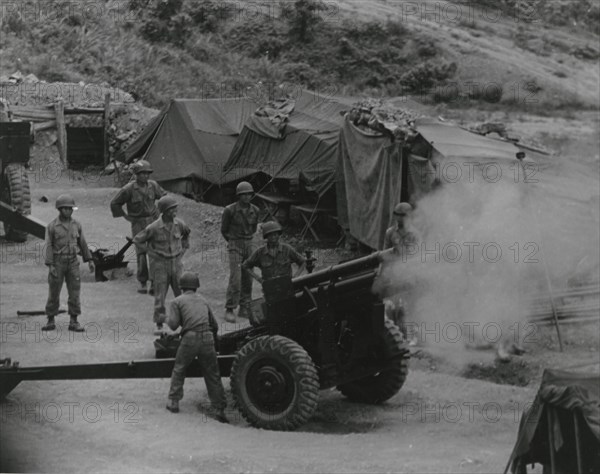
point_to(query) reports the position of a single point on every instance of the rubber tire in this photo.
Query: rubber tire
(382, 386)
(16, 193)
(289, 360)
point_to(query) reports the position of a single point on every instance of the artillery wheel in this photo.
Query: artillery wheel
(383, 385)
(15, 192)
(275, 383)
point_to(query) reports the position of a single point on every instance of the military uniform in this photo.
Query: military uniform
(238, 227)
(401, 240)
(64, 238)
(165, 245)
(274, 262)
(404, 243)
(142, 211)
(198, 328)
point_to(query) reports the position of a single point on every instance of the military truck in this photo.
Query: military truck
(15, 195)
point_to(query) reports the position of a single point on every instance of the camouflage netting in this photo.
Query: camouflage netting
(374, 115)
(28, 90)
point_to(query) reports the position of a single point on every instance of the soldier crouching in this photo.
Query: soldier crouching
(192, 313)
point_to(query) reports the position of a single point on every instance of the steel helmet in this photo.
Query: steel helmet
(142, 166)
(244, 188)
(65, 200)
(270, 227)
(402, 209)
(189, 280)
(165, 203)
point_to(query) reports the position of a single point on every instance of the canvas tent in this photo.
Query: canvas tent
(196, 145)
(561, 430)
(190, 140)
(304, 149)
(375, 173)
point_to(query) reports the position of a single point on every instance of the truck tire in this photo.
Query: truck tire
(382, 386)
(15, 192)
(275, 383)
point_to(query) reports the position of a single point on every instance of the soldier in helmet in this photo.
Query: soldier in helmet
(64, 238)
(404, 241)
(139, 197)
(399, 236)
(238, 227)
(165, 241)
(274, 258)
(192, 313)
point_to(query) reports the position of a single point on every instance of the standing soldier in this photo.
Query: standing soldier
(139, 196)
(198, 335)
(64, 237)
(404, 241)
(399, 236)
(274, 258)
(165, 241)
(238, 227)
(275, 262)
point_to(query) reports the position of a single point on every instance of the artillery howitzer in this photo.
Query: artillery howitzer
(328, 330)
(103, 260)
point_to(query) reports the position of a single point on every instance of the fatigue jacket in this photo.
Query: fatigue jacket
(399, 240)
(193, 313)
(158, 240)
(65, 238)
(139, 200)
(239, 223)
(275, 262)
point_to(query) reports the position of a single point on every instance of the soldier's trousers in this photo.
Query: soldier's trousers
(239, 290)
(138, 224)
(165, 273)
(199, 344)
(67, 270)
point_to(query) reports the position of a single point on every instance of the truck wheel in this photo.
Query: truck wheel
(275, 383)
(385, 384)
(15, 192)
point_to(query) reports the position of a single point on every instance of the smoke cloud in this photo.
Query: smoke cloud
(485, 246)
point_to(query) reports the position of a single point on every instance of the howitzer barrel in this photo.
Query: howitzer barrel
(340, 270)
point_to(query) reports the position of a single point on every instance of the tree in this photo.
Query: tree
(303, 18)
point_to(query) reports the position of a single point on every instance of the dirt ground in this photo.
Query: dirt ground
(446, 418)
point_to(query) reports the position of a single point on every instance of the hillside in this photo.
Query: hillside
(538, 58)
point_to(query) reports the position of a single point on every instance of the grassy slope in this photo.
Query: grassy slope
(506, 51)
(109, 48)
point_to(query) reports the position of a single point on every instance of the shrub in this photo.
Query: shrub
(424, 76)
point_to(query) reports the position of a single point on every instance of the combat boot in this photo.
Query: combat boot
(217, 414)
(229, 316)
(50, 325)
(74, 325)
(220, 417)
(173, 406)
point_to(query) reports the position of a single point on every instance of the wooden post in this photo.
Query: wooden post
(106, 128)
(61, 130)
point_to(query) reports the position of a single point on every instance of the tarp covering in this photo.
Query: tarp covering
(192, 138)
(455, 142)
(562, 394)
(374, 174)
(202, 138)
(305, 148)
